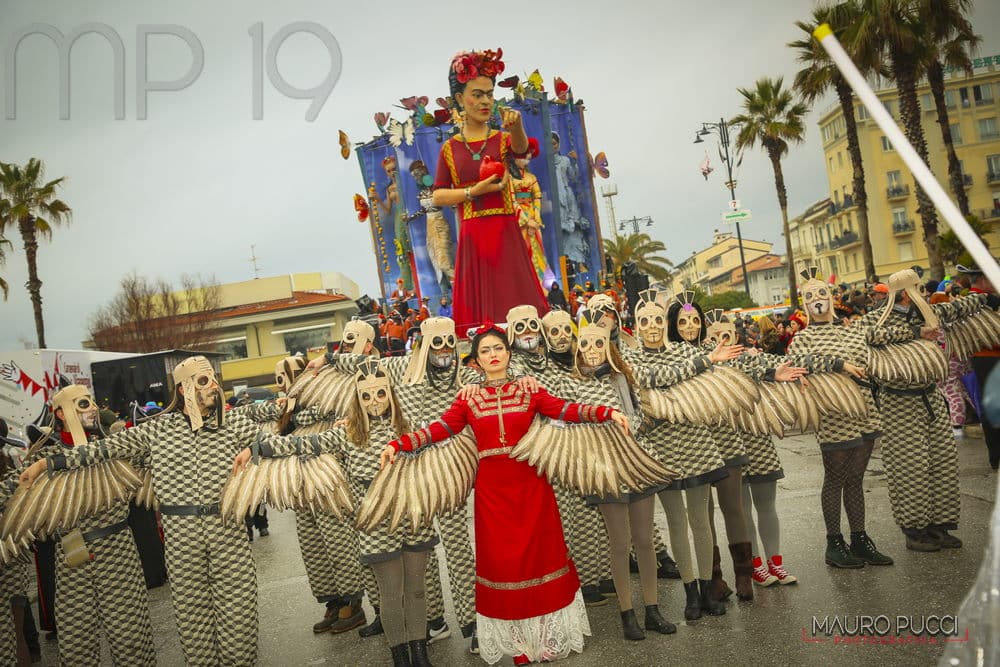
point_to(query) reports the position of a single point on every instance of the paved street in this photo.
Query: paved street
(769, 630)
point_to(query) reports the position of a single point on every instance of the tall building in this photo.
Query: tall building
(895, 230)
(712, 269)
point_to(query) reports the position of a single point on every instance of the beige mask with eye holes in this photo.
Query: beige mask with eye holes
(524, 329)
(908, 281)
(557, 325)
(689, 323)
(287, 370)
(719, 329)
(196, 377)
(79, 411)
(650, 320)
(817, 298)
(592, 347)
(374, 391)
(357, 335)
(437, 341)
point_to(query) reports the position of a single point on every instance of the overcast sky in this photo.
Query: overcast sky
(190, 188)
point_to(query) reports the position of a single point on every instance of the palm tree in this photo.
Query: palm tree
(773, 118)
(642, 250)
(31, 208)
(892, 30)
(4, 245)
(951, 41)
(817, 76)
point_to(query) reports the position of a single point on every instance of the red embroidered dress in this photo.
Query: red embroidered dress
(493, 270)
(523, 570)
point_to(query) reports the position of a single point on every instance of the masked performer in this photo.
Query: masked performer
(603, 376)
(546, 350)
(440, 248)
(398, 557)
(918, 448)
(527, 592)
(490, 245)
(189, 448)
(326, 544)
(763, 467)
(423, 395)
(106, 590)
(686, 446)
(846, 445)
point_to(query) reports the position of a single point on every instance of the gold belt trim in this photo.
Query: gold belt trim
(497, 451)
(520, 585)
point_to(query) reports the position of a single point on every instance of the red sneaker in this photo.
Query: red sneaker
(761, 575)
(775, 568)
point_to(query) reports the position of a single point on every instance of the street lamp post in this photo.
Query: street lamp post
(722, 129)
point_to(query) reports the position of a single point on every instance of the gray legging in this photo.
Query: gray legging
(629, 524)
(401, 590)
(730, 492)
(760, 496)
(695, 515)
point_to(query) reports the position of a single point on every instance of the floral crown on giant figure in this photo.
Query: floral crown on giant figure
(467, 65)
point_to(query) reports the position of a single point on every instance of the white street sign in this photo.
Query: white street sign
(742, 215)
(734, 205)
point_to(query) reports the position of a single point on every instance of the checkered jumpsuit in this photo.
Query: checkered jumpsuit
(106, 596)
(328, 545)
(918, 448)
(213, 583)
(13, 585)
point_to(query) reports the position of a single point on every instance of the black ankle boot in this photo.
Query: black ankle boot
(400, 656)
(692, 608)
(631, 626)
(654, 621)
(418, 653)
(863, 547)
(373, 628)
(708, 605)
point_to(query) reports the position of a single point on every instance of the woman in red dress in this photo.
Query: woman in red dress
(489, 240)
(528, 599)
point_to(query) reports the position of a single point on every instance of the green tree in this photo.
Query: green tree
(951, 39)
(772, 118)
(892, 30)
(953, 251)
(32, 209)
(641, 249)
(820, 74)
(724, 300)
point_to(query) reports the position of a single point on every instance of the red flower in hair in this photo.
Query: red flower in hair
(468, 65)
(486, 326)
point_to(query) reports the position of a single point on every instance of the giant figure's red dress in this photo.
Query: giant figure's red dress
(493, 270)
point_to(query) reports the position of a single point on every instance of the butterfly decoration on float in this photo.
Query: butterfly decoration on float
(361, 206)
(401, 132)
(345, 145)
(381, 121)
(599, 163)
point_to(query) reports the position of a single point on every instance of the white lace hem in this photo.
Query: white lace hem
(547, 637)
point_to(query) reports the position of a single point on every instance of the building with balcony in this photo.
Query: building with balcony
(711, 269)
(830, 238)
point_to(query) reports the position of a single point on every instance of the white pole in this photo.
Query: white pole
(980, 253)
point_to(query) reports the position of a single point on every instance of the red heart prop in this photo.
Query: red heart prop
(490, 167)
